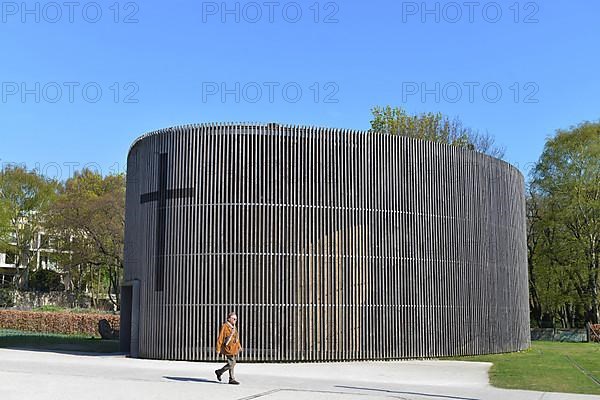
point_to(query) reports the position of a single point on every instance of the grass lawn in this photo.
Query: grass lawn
(50, 341)
(547, 367)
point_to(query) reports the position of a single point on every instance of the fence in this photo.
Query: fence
(561, 335)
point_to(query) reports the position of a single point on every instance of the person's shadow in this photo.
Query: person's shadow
(184, 379)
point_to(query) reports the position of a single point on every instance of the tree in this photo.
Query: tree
(4, 221)
(553, 297)
(434, 127)
(566, 264)
(88, 217)
(24, 198)
(534, 233)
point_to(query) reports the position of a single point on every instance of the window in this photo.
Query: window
(10, 258)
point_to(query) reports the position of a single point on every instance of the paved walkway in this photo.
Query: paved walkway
(48, 376)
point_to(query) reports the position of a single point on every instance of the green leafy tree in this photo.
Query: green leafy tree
(434, 127)
(4, 221)
(554, 299)
(565, 262)
(25, 197)
(534, 240)
(88, 217)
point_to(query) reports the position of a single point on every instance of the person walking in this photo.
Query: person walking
(228, 344)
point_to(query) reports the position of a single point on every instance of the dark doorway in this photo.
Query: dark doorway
(125, 328)
(129, 325)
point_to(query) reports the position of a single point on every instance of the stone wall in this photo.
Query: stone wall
(28, 300)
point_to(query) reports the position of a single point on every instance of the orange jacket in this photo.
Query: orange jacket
(234, 346)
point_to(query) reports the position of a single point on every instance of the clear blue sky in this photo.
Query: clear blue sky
(171, 60)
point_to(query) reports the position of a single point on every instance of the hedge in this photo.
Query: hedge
(52, 322)
(594, 332)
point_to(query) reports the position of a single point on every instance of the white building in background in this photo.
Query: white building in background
(8, 268)
(8, 265)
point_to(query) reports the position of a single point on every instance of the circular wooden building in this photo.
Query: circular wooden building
(329, 244)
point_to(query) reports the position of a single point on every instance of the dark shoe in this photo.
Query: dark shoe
(218, 373)
(233, 382)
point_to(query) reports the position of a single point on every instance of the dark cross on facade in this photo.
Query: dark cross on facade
(161, 196)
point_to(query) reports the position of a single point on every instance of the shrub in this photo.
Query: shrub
(45, 280)
(6, 297)
(55, 322)
(50, 308)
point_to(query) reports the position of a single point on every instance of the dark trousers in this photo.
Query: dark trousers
(229, 367)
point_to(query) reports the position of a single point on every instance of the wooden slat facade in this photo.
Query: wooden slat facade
(329, 244)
